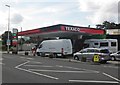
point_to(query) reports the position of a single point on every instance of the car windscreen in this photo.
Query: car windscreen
(104, 51)
(93, 51)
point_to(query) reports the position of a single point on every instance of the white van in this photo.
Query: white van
(58, 47)
(110, 44)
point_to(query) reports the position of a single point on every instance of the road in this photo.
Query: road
(26, 69)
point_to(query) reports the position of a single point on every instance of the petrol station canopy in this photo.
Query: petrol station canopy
(61, 30)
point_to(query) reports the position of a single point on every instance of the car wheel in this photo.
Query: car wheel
(76, 58)
(38, 54)
(113, 58)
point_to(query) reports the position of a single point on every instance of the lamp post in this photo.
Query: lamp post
(21, 40)
(8, 40)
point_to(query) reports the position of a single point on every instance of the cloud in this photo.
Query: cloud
(2, 28)
(17, 19)
(100, 10)
(3, 17)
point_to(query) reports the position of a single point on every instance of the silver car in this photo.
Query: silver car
(115, 56)
(89, 53)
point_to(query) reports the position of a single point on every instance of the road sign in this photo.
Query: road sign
(8, 42)
(96, 58)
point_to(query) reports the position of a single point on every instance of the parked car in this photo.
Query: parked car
(115, 56)
(88, 53)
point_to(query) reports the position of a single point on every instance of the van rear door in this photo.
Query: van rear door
(67, 47)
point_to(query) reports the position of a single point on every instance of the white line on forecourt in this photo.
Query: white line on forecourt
(18, 67)
(79, 69)
(112, 67)
(38, 66)
(91, 81)
(111, 77)
(60, 71)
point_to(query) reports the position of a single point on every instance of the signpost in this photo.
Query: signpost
(15, 40)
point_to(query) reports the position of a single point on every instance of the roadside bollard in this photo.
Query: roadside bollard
(26, 53)
(51, 55)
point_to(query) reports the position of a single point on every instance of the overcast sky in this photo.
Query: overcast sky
(31, 14)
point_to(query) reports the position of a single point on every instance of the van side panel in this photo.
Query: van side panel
(56, 46)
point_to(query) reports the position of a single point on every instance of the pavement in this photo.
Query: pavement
(36, 69)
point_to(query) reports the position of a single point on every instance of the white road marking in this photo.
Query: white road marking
(78, 68)
(38, 66)
(111, 67)
(59, 66)
(2, 63)
(18, 67)
(27, 58)
(111, 77)
(30, 58)
(91, 81)
(1, 59)
(60, 71)
(21, 64)
(36, 62)
(38, 73)
(22, 57)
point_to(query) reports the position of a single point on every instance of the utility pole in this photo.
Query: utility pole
(8, 40)
(21, 40)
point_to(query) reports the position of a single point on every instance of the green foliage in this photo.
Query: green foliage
(5, 37)
(108, 25)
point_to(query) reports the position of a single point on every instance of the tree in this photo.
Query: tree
(5, 37)
(108, 25)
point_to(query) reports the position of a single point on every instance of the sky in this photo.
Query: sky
(32, 14)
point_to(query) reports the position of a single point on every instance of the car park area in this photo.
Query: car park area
(36, 69)
(59, 55)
